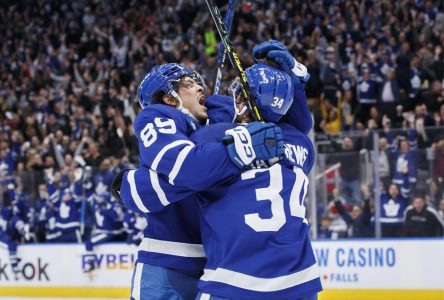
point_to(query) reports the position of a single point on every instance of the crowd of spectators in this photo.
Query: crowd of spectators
(69, 71)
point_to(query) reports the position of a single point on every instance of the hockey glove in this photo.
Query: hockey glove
(256, 141)
(276, 52)
(115, 186)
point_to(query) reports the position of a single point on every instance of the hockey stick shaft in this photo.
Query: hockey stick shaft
(234, 58)
(222, 53)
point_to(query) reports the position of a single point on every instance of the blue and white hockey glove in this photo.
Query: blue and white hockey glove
(276, 52)
(256, 141)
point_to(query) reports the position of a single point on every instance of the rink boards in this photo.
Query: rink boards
(350, 269)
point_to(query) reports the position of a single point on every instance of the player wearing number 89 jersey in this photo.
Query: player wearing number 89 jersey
(171, 256)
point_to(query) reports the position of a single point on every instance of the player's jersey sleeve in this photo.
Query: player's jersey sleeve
(143, 190)
(299, 149)
(299, 114)
(220, 109)
(141, 194)
(165, 147)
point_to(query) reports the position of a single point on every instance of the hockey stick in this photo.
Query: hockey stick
(234, 58)
(222, 53)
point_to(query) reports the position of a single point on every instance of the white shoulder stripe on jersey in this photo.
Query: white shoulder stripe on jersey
(134, 193)
(162, 152)
(154, 178)
(178, 164)
(172, 248)
(205, 296)
(259, 284)
(179, 160)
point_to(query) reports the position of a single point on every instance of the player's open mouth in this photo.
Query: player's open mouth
(202, 100)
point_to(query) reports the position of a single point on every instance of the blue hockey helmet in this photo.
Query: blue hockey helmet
(164, 79)
(272, 89)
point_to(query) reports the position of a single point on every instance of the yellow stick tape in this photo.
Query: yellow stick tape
(65, 292)
(334, 294)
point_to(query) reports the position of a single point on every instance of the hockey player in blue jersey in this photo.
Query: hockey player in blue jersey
(68, 217)
(171, 257)
(12, 232)
(284, 224)
(108, 224)
(134, 225)
(263, 252)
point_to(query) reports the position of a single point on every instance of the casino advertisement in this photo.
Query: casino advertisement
(345, 265)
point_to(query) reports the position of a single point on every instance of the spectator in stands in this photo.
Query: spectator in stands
(350, 189)
(439, 116)
(384, 162)
(324, 231)
(393, 204)
(421, 220)
(332, 122)
(329, 75)
(441, 209)
(404, 155)
(358, 220)
(367, 95)
(438, 163)
(337, 226)
(389, 95)
(415, 83)
(76, 79)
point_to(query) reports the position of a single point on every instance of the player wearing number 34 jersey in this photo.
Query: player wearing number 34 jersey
(253, 227)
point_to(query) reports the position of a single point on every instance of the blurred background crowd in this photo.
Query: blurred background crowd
(69, 72)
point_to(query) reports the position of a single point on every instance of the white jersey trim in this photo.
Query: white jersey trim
(205, 296)
(154, 177)
(172, 248)
(67, 225)
(134, 194)
(50, 236)
(162, 152)
(391, 220)
(178, 164)
(259, 284)
(153, 174)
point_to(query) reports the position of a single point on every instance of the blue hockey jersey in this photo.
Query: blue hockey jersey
(392, 210)
(108, 216)
(68, 216)
(47, 220)
(367, 92)
(11, 225)
(402, 159)
(172, 238)
(415, 82)
(255, 233)
(250, 223)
